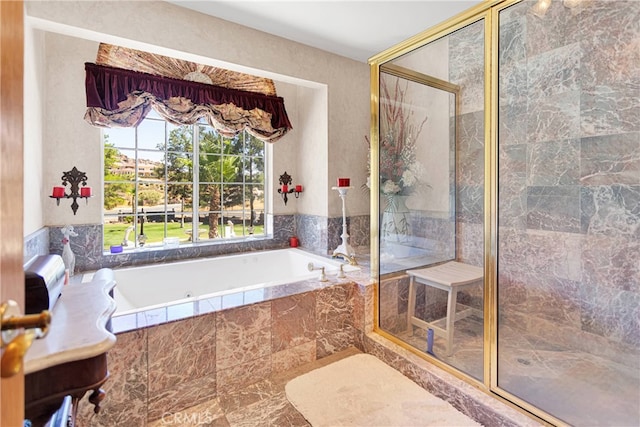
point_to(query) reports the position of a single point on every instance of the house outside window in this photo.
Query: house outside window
(167, 185)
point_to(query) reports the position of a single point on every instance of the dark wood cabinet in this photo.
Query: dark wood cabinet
(72, 359)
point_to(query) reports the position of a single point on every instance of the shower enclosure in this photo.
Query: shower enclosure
(431, 188)
(508, 139)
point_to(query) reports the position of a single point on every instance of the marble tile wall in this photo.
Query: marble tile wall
(394, 292)
(569, 175)
(87, 247)
(358, 228)
(466, 69)
(173, 366)
(127, 387)
(312, 232)
(315, 233)
(435, 234)
(321, 234)
(35, 244)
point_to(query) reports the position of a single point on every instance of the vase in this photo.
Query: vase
(395, 226)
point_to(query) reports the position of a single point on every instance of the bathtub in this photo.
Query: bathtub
(150, 287)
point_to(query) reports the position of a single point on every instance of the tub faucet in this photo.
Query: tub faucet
(341, 274)
(323, 276)
(350, 259)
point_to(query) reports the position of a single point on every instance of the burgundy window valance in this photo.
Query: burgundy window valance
(119, 97)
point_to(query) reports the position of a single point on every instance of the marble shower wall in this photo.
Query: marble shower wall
(172, 366)
(569, 175)
(316, 233)
(466, 69)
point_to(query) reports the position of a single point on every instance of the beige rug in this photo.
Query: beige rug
(361, 390)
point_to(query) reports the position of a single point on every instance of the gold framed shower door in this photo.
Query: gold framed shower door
(487, 13)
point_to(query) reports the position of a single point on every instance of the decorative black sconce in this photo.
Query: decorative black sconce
(285, 182)
(73, 177)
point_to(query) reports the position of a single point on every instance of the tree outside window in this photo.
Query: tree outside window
(184, 181)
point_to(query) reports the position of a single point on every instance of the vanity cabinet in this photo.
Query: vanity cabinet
(72, 359)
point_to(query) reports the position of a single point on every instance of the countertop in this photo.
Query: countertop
(78, 324)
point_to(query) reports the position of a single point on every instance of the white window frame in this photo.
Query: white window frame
(196, 210)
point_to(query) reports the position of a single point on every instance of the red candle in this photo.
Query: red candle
(58, 192)
(85, 192)
(344, 182)
(298, 188)
(285, 188)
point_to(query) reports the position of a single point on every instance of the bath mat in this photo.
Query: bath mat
(361, 390)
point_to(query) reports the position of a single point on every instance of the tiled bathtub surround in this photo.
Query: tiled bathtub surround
(172, 311)
(232, 361)
(172, 366)
(315, 233)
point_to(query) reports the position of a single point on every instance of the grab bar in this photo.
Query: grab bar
(323, 277)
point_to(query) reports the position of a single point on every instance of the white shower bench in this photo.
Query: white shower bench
(452, 277)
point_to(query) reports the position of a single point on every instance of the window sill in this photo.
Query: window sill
(160, 247)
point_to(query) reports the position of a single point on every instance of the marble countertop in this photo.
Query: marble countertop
(78, 325)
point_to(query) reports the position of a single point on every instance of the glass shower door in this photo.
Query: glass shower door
(431, 192)
(569, 198)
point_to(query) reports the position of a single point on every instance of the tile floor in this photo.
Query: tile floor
(261, 404)
(593, 391)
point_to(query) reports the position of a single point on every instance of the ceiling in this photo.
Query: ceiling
(356, 29)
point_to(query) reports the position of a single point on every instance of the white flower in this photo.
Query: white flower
(408, 178)
(390, 187)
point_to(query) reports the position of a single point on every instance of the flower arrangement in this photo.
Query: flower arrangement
(400, 171)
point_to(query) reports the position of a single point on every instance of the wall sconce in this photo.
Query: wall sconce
(285, 182)
(73, 177)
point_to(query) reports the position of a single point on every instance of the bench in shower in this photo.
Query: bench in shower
(451, 277)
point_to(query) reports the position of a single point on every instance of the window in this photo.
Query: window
(170, 185)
